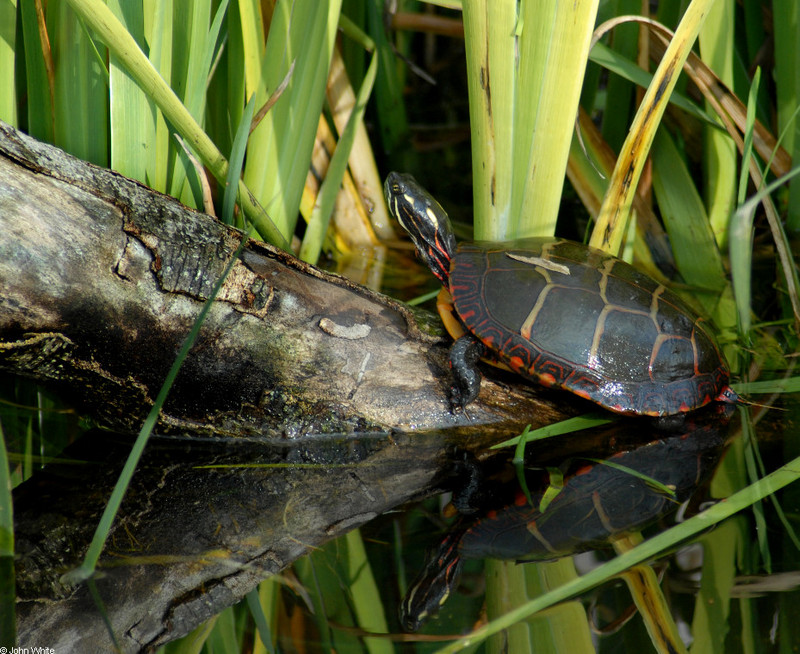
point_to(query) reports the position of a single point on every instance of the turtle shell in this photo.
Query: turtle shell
(601, 500)
(573, 317)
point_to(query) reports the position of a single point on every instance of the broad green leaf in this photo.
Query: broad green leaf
(280, 147)
(8, 73)
(81, 95)
(134, 138)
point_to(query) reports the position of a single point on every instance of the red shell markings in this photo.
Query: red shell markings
(575, 318)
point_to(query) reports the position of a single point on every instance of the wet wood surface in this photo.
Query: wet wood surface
(101, 281)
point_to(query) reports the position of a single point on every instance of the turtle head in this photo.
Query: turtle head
(434, 583)
(425, 221)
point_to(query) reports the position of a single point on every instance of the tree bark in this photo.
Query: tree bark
(101, 279)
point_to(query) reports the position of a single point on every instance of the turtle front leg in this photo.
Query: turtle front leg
(464, 357)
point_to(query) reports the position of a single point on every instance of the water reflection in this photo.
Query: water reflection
(204, 520)
(609, 481)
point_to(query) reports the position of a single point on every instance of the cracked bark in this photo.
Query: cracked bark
(101, 279)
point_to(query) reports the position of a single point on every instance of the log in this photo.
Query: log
(101, 279)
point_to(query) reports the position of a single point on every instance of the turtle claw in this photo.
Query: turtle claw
(458, 403)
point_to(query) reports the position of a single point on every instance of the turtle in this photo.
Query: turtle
(564, 315)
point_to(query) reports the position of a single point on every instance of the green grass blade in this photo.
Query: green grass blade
(199, 44)
(490, 41)
(614, 62)
(554, 487)
(8, 62)
(747, 150)
(252, 40)
(140, 141)
(619, 92)
(563, 629)
(554, 46)
(8, 627)
(755, 468)
(366, 595)
(721, 550)
(653, 483)
(160, 157)
(260, 618)
(316, 575)
(390, 106)
(80, 84)
(223, 638)
(741, 249)
(343, 591)
(684, 214)
(769, 386)
(716, 40)
(237, 162)
(320, 217)
(650, 601)
(280, 148)
(101, 609)
(269, 600)
(612, 223)
(37, 83)
(120, 43)
(447, 4)
(786, 74)
(560, 428)
(193, 642)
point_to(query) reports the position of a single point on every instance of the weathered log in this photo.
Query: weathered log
(101, 280)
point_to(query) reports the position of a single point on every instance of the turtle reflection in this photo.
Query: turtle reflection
(606, 493)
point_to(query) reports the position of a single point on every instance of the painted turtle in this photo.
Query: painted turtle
(598, 500)
(564, 315)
